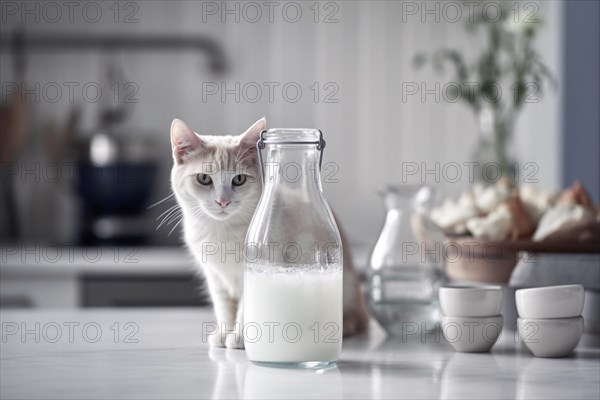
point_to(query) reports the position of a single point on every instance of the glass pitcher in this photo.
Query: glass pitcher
(293, 258)
(406, 265)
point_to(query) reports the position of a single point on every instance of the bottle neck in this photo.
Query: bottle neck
(294, 166)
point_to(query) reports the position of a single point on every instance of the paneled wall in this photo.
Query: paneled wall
(363, 62)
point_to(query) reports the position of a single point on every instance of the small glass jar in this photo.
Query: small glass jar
(406, 266)
(293, 258)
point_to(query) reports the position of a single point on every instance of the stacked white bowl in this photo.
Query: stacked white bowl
(472, 322)
(550, 322)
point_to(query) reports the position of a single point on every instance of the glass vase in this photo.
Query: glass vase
(406, 265)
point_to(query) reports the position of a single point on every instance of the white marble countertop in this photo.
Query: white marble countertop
(159, 353)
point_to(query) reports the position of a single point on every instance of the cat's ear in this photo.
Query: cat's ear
(251, 136)
(183, 140)
(247, 148)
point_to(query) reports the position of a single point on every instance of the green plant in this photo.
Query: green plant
(507, 58)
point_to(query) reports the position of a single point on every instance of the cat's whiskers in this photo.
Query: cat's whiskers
(175, 227)
(170, 209)
(169, 215)
(175, 217)
(195, 211)
(179, 217)
(169, 197)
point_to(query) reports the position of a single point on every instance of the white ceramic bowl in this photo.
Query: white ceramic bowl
(472, 334)
(564, 301)
(555, 337)
(471, 301)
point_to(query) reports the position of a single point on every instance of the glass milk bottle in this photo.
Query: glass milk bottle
(293, 258)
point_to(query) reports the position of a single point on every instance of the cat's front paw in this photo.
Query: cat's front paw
(216, 340)
(234, 341)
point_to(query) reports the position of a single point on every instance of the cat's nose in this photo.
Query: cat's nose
(223, 203)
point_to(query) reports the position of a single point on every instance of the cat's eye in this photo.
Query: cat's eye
(204, 179)
(239, 180)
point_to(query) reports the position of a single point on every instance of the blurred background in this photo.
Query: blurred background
(89, 89)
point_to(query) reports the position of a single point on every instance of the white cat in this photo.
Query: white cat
(217, 184)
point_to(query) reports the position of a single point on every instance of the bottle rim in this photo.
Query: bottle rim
(291, 136)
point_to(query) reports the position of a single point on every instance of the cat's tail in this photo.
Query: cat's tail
(356, 313)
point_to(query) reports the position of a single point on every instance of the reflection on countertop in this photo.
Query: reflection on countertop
(160, 353)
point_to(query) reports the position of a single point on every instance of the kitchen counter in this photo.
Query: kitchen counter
(160, 353)
(47, 276)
